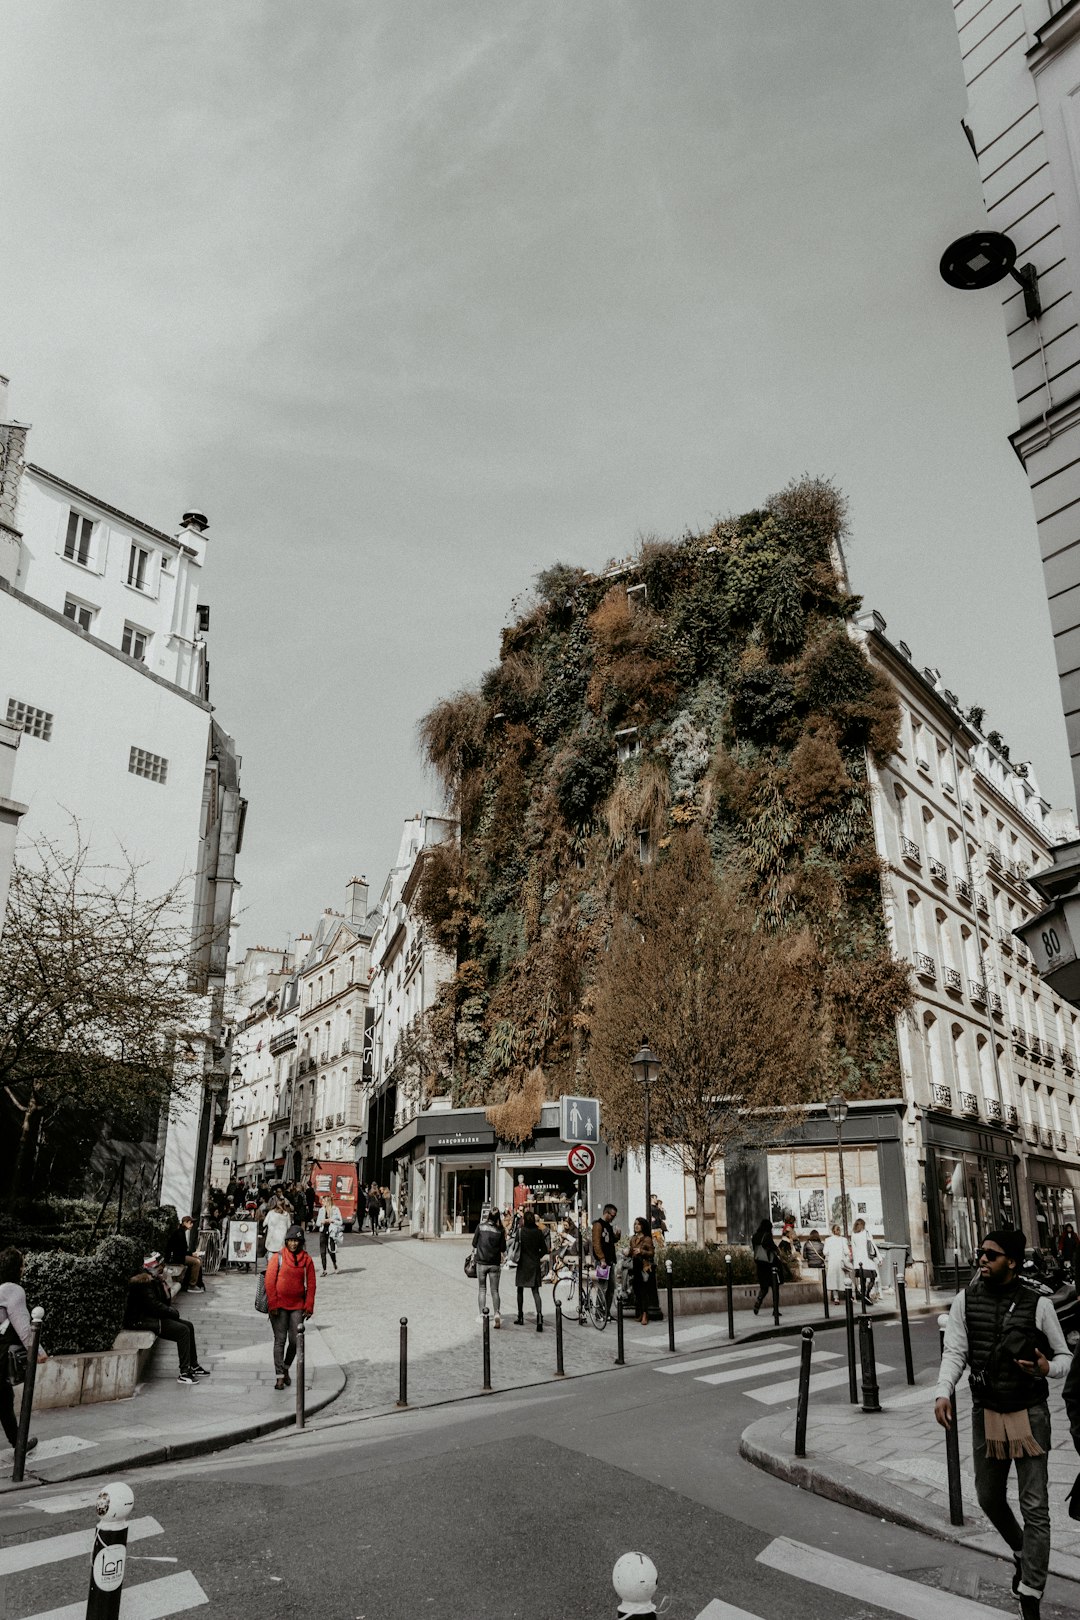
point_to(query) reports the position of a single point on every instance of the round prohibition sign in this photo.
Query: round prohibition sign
(581, 1159)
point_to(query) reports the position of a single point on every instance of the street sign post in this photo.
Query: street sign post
(579, 1119)
(581, 1159)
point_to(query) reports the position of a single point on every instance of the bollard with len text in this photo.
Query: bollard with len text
(634, 1579)
(22, 1438)
(109, 1556)
(804, 1392)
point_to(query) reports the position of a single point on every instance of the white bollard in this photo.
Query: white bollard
(109, 1557)
(634, 1579)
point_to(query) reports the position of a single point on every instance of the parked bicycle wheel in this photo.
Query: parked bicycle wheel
(564, 1290)
(210, 1244)
(597, 1308)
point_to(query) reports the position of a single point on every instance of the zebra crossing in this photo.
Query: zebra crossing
(50, 1564)
(749, 1363)
(863, 1583)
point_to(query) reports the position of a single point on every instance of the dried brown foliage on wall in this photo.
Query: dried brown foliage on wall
(515, 1119)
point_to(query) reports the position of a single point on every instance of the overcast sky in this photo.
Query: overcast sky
(414, 297)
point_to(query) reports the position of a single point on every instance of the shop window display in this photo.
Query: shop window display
(804, 1187)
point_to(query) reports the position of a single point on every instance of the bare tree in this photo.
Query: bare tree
(93, 990)
(722, 1005)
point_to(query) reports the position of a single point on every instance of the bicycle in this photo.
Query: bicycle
(210, 1249)
(564, 1290)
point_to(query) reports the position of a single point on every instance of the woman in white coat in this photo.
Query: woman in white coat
(276, 1223)
(837, 1260)
(329, 1225)
(864, 1256)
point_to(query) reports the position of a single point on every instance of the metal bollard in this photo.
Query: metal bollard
(620, 1352)
(301, 1336)
(804, 1392)
(776, 1298)
(952, 1461)
(487, 1351)
(560, 1370)
(860, 1272)
(670, 1309)
(403, 1364)
(730, 1297)
(942, 1323)
(825, 1293)
(109, 1557)
(956, 1267)
(905, 1328)
(849, 1328)
(22, 1438)
(870, 1399)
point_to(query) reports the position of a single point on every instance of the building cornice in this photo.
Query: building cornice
(1035, 436)
(113, 511)
(1052, 38)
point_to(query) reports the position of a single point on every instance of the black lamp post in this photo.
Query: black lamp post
(837, 1110)
(646, 1067)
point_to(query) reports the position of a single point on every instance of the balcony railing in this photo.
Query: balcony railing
(925, 966)
(1005, 939)
(1067, 1058)
(1012, 1118)
(969, 1103)
(996, 1005)
(993, 858)
(994, 1109)
(953, 981)
(963, 890)
(281, 1042)
(1019, 1037)
(910, 851)
(1047, 1136)
(1032, 1133)
(982, 904)
(937, 870)
(977, 991)
(1062, 1142)
(942, 1096)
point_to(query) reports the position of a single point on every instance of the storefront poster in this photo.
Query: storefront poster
(811, 1208)
(783, 1205)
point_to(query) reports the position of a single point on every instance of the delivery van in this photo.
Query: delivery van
(339, 1180)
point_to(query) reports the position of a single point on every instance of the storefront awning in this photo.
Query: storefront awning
(442, 1133)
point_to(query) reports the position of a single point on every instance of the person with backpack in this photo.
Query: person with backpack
(489, 1248)
(329, 1225)
(1009, 1338)
(864, 1258)
(290, 1298)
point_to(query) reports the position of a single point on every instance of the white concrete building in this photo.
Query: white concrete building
(264, 1028)
(103, 670)
(329, 1100)
(991, 1128)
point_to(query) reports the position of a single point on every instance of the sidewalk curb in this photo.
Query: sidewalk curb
(852, 1488)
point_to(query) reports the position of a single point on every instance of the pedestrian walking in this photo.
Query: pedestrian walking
(489, 1247)
(388, 1208)
(837, 1262)
(642, 1257)
(290, 1297)
(1067, 1245)
(532, 1249)
(767, 1261)
(1009, 1338)
(864, 1254)
(605, 1248)
(329, 1224)
(374, 1208)
(657, 1221)
(15, 1330)
(276, 1222)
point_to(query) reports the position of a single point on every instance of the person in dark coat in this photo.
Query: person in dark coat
(149, 1305)
(532, 1249)
(766, 1259)
(642, 1252)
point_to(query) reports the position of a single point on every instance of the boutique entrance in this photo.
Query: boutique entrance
(466, 1189)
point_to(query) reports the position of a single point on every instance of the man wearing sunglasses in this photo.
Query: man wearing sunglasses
(1009, 1338)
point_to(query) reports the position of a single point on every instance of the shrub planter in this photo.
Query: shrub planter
(93, 1375)
(696, 1301)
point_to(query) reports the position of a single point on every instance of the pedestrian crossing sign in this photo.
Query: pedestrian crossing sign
(579, 1119)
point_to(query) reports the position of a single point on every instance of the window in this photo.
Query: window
(80, 613)
(77, 539)
(135, 642)
(138, 562)
(151, 766)
(31, 722)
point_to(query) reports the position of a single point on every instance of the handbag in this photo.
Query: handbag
(871, 1250)
(12, 1356)
(470, 1263)
(262, 1304)
(602, 1273)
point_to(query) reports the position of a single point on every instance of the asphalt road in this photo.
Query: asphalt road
(510, 1506)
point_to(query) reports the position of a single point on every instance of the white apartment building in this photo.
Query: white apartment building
(264, 1026)
(103, 671)
(404, 1123)
(990, 1125)
(329, 1100)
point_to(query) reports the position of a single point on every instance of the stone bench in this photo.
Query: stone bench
(94, 1375)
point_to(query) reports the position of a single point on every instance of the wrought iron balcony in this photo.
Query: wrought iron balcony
(1062, 1142)
(942, 1096)
(977, 991)
(969, 1103)
(938, 870)
(996, 1006)
(910, 851)
(963, 890)
(925, 966)
(953, 981)
(994, 1109)
(1012, 1118)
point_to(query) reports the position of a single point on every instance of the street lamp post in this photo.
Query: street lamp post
(214, 1082)
(646, 1067)
(837, 1110)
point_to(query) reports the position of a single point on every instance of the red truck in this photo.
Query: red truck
(339, 1180)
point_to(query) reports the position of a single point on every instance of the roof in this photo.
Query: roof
(113, 511)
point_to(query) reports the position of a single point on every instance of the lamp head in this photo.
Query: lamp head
(837, 1109)
(646, 1065)
(977, 260)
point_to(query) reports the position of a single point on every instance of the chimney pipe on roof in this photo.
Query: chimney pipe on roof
(356, 899)
(195, 520)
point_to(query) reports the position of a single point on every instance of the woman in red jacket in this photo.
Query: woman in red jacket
(290, 1294)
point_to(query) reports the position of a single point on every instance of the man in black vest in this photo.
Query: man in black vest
(1010, 1339)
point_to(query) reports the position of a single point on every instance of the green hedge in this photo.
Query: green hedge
(71, 1224)
(692, 1267)
(83, 1295)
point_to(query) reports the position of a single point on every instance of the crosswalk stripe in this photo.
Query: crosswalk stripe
(789, 1389)
(732, 1373)
(893, 1593)
(53, 1549)
(153, 1600)
(717, 1610)
(721, 1359)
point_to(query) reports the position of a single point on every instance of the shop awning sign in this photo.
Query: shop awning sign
(579, 1119)
(581, 1159)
